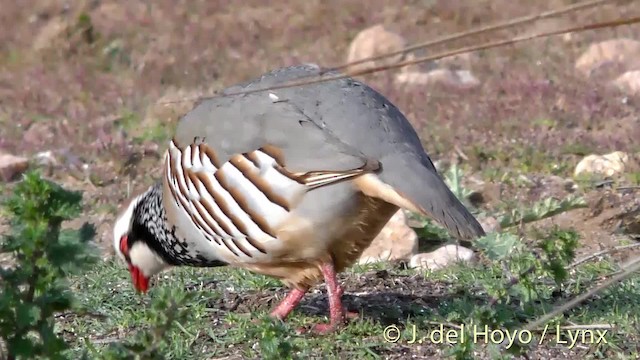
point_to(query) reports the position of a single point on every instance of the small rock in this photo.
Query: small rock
(629, 82)
(373, 41)
(442, 257)
(554, 186)
(396, 241)
(608, 164)
(12, 166)
(46, 158)
(622, 52)
(490, 224)
(557, 181)
(461, 79)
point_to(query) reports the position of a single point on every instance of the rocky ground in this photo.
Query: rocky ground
(88, 91)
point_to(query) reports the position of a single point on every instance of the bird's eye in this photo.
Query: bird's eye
(124, 246)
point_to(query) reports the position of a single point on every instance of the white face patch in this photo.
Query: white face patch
(146, 259)
(123, 225)
(140, 254)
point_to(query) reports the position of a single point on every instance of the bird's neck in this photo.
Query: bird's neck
(150, 224)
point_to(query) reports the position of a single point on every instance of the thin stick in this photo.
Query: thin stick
(631, 268)
(586, 327)
(311, 80)
(603, 252)
(621, 188)
(499, 26)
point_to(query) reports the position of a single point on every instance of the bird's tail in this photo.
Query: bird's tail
(412, 184)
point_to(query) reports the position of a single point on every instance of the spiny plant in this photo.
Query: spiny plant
(34, 285)
(166, 309)
(517, 275)
(541, 210)
(43, 254)
(453, 178)
(518, 280)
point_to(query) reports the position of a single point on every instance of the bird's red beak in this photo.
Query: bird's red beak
(140, 282)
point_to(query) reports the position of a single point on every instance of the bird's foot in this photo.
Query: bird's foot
(325, 328)
(286, 306)
(337, 313)
(319, 329)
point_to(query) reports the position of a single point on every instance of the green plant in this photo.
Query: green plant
(541, 210)
(517, 281)
(273, 340)
(35, 286)
(167, 309)
(453, 179)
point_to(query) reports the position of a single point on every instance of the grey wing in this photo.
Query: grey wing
(243, 123)
(351, 110)
(365, 119)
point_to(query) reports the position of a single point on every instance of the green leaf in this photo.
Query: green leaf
(541, 210)
(35, 287)
(27, 315)
(22, 348)
(453, 179)
(497, 246)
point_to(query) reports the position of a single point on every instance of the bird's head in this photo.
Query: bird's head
(134, 239)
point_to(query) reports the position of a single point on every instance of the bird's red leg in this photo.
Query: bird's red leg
(337, 313)
(288, 303)
(348, 314)
(334, 292)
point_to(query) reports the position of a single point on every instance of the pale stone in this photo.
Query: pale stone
(623, 52)
(396, 241)
(373, 41)
(46, 158)
(462, 79)
(608, 164)
(629, 82)
(442, 257)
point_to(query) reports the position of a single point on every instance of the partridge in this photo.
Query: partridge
(292, 183)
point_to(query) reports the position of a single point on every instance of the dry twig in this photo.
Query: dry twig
(628, 270)
(603, 252)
